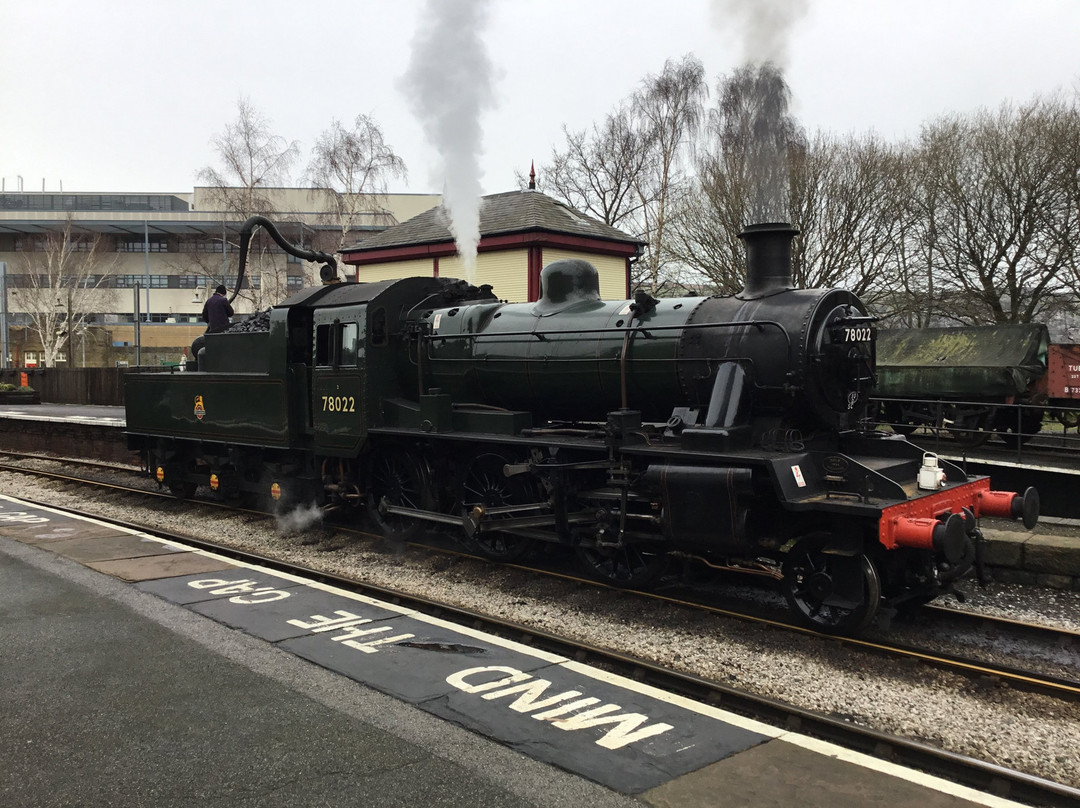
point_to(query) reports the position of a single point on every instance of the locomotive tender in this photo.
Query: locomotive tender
(717, 431)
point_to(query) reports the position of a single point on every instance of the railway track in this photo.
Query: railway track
(993, 632)
(981, 775)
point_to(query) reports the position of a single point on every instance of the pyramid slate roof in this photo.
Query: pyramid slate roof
(500, 214)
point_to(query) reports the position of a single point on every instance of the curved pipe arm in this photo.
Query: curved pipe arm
(328, 271)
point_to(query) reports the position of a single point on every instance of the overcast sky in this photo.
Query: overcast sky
(125, 95)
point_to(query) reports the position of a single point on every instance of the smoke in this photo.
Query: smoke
(765, 26)
(755, 128)
(449, 82)
(299, 519)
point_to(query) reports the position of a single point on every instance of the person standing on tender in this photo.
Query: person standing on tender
(215, 313)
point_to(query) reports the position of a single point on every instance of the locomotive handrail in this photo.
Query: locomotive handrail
(760, 325)
(246, 231)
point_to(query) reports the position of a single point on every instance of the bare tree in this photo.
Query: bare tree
(756, 136)
(670, 106)
(744, 175)
(599, 169)
(1002, 229)
(63, 287)
(254, 160)
(628, 170)
(353, 167)
(847, 200)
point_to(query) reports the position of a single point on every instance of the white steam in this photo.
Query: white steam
(765, 26)
(299, 519)
(450, 84)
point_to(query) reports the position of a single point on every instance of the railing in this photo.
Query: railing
(959, 427)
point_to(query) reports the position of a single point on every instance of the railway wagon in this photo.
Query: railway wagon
(977, 381)
(645, 436)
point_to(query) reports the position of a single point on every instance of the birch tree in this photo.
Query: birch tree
(63, 287)
(252, 162)
(353, 167)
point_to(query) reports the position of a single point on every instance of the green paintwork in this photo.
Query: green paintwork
(976, 361)
(238, 408)
(557, 375)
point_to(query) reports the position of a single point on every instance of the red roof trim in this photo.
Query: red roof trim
(538, 238)
(406, 253)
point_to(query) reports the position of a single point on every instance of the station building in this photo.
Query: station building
(150, 260)
(520, 233)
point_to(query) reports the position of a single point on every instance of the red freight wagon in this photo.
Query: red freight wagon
(1063, 372)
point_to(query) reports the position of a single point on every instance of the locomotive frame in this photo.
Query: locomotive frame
(723, 432)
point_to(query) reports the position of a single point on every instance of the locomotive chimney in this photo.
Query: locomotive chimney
(768, 259)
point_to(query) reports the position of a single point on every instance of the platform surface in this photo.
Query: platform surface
(180, 678)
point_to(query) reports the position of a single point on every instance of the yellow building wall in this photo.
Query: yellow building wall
(506, 270)
(392, 270)
(611, 268)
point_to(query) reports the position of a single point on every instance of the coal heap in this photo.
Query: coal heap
(260, 321)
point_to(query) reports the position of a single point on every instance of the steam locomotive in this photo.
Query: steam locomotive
(724, 432)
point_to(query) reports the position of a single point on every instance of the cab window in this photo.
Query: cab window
(349, 334)
(336, 344)
(322, 345)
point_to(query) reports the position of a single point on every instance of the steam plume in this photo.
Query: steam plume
(753, 122)
(765, 26)
(299, 519)
(449, 82)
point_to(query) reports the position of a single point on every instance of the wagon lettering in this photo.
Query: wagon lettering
(567, 711)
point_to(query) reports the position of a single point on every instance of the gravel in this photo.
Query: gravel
(1032, 733)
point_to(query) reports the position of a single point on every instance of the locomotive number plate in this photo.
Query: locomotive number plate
(862, 333)
(338, 404)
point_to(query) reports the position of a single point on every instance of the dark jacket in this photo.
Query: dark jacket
(216, 313)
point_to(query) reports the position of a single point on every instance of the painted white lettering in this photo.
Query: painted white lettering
(22, 516)
(320, 623)
(265, 595)
(530, 692)
(458, 679)
(566, 708)
(206, 583)
(624, 733)
(247, 592)
(236, 587)
(568, 715)
(368, 647)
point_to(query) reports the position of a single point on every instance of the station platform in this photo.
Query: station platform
(142, 672)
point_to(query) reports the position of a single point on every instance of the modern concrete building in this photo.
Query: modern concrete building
(151, 260)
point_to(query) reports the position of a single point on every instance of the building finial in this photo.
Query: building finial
(532, 175)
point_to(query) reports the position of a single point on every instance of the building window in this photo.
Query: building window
(129, 281)
(204, 245)
(294, 282)
(134, 244)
